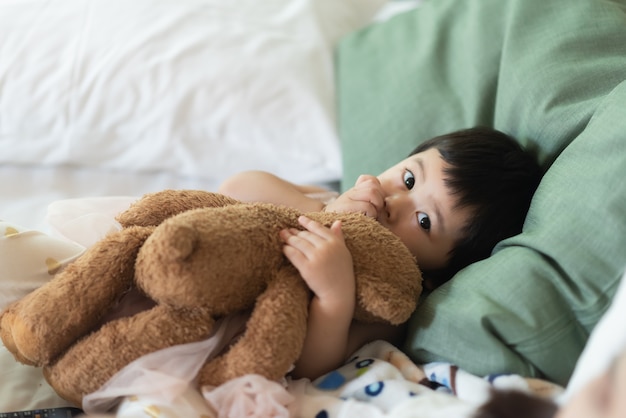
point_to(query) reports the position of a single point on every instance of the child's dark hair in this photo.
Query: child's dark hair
(490, 173)
(516, 404)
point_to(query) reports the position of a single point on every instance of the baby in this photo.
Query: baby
(450, 202)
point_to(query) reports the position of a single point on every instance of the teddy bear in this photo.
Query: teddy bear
(198, 256)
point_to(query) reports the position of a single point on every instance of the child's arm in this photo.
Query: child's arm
(260, 186)
(323, 260)
(325, 263)
(366, 196)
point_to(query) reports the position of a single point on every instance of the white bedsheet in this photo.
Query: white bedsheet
(194, 90)
(26, 192)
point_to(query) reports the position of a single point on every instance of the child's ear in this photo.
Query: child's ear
(516, 404)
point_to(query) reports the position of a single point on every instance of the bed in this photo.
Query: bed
(102, 102)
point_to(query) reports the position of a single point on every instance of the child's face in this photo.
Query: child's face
(603, 397)
(420, 209)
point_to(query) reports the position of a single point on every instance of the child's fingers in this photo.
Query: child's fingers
(287, 232)
(295, 256)
(320, 232)
(335, 228)
(299, 240)
(308, 223)
(314, 227)
(314, 235)
(367, 178)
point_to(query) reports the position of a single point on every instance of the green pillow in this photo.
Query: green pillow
(551, 73)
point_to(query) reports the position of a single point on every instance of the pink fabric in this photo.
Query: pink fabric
(251, 396)
(167, 373)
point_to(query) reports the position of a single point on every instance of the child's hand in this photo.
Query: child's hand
(322, 258)
(325, 263)
(366, 197)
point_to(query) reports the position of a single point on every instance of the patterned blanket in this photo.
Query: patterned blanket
(378, 381)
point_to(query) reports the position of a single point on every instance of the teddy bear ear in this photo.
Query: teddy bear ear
(392, 302)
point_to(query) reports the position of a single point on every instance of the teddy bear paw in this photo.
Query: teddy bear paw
(10, 328)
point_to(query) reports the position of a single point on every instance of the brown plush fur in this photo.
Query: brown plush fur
(199, 256)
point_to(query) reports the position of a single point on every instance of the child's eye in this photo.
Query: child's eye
(409, 179)
(423, 220)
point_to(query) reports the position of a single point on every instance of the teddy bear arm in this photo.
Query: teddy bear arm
(93, 360)
(274, 334)
(45, 322)
(154, 208)
(387, 300)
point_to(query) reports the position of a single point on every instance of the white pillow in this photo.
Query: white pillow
(194, 87)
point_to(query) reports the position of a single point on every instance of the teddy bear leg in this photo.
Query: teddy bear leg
(274, 334)
(153, 208)
(45, 322)
(93, 360)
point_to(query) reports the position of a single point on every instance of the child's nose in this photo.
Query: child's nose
(393, 205)
(399, 202)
